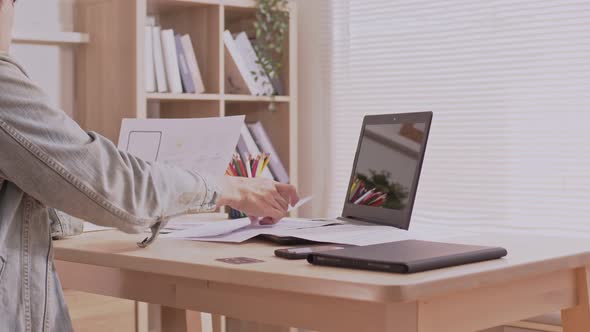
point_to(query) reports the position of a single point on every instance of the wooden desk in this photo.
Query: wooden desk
(540, 275)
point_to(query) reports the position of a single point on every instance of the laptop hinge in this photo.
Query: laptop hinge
(355, 221)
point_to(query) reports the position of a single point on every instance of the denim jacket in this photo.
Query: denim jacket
(48, 164)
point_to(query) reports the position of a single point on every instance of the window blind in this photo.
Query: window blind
(509, 84)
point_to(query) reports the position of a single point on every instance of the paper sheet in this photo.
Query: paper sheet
(204, 145)
(90, 227)
(321, 230)
(301, 202)
(367, 235)
(183, 227)
(207, 229)
(251, 230)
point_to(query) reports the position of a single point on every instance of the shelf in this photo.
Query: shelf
(176, 3)
(182, 96)
(240, 3)
(213, 96)
(51, 38)
(278, 99)
(162, 6)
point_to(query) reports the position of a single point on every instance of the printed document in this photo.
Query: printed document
(204, 145)
(183, 227)
(319, 230)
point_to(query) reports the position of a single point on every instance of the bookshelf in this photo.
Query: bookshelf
(51, 38)
(110, 75)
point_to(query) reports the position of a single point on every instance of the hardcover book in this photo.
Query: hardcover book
(188, 85)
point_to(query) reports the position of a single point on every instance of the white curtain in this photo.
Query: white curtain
(509, 84)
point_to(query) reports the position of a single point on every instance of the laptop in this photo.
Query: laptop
(385, 173)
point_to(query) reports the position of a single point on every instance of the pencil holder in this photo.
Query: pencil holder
(236, 214)
(250, 167)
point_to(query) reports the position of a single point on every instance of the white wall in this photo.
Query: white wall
(313, 160)
(51, 67)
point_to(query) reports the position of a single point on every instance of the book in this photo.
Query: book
(234, 83)
(264, 86)
(149, 70)
(151, 20)
(277, 168)
(193, 64)
(253, 148)
(278, 86)
(242, 149)
(188, 85)
(171, 61)
(239, 78)
(161, 81)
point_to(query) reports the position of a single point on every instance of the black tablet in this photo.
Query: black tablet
(407, 256)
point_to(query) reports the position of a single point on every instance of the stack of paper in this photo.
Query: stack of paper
(328, 231)
(318, 230)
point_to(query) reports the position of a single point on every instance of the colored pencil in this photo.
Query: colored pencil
(252, 167)
(255, 166)
(378, 202)
(259, 165)
(362, 198)
(237, 166)
(358, 192)
(248, 168)
(242, 168)
(266, 161)
(355, 183)
(371, 197)
(379, 196)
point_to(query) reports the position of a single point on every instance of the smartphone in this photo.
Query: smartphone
(302, 252)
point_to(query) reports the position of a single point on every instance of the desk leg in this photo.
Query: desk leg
(577, 319)
(173, 320)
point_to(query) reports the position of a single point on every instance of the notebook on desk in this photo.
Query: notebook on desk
(407, 256)
(385, 173)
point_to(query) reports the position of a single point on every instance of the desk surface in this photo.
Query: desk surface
(527, 256)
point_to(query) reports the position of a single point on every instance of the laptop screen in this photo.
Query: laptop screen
(388, 160)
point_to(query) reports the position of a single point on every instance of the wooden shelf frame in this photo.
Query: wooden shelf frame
(182, 96)
(246, 98)
(109, 68)
(226, 3)
(212, 96)
(51, 38)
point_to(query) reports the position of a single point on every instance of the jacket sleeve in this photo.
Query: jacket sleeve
(64, 225)
(83, 174)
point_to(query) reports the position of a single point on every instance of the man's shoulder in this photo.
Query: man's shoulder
(9, 66)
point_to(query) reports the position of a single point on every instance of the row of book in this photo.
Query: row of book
(170, 62)
(245, 74)
(254, 141)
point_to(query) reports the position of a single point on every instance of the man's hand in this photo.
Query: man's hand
(258, 197)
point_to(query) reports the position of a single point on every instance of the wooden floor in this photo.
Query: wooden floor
(94, 313)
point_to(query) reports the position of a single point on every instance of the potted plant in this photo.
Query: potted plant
(271, 27)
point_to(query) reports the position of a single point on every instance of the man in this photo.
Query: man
(47, 162)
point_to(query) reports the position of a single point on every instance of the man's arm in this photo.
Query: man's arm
(83, 174)
(64, 225)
